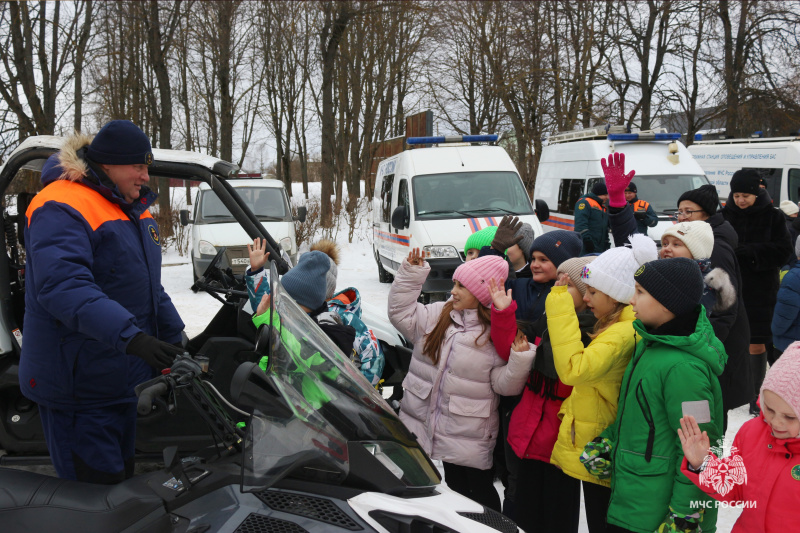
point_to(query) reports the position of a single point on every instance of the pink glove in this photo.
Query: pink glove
(616, 179)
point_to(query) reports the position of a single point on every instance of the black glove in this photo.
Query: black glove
(504, 238)
(156, 353)
(640, 215)
(588, 245)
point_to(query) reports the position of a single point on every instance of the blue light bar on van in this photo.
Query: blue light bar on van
(644, 136)
(453, 139)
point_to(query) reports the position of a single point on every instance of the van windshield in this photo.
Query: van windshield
(469, 194)
(267, 203)
(663, 191)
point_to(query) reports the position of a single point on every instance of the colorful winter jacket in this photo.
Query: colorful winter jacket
(534, 424)
(594, 372)
(671, 372)
(786, 317)
(347, 305)
(771, 493)
(93, 282)
(341, 334)
(452, 407)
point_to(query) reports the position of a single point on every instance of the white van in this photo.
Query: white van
(213, 226)
(570, 165)
(435, 198)
(777, 159)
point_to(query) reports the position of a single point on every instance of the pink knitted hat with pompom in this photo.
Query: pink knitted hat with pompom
(782, 378)
(475, 276)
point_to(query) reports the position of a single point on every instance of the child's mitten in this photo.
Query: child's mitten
(681, 523)
(596, 457)
(616, 179)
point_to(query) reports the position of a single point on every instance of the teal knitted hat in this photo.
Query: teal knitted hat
(481, 238)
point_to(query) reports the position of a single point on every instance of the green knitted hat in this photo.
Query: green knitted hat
(481, 238)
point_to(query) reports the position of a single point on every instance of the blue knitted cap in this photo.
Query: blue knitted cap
(120, 142)
(306, 282)
(558, 245)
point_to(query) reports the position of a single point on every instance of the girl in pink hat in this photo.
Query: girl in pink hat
(455, 376)
(762, 473)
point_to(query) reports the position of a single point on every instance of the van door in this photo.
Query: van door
(386, 241)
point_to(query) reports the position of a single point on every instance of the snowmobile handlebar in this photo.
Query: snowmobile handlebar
(146, 396)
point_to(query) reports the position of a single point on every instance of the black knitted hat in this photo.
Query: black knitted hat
(746, 181)
(676, 283)
(558, 245)
(631, 187)
(706, 197)
(599, 189)
(120, 142)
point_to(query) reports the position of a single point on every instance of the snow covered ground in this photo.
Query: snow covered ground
(357, 268)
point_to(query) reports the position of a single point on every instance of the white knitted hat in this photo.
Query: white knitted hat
(789, 207)
(612, 272)
(697, 236)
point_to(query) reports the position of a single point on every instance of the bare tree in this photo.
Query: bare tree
(37, 47)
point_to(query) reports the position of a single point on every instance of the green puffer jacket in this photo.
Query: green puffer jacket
(666, 372)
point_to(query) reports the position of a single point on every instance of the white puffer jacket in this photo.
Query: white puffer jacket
(452, 407)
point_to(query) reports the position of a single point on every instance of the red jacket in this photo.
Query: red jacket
(534, 424)
(773, 480)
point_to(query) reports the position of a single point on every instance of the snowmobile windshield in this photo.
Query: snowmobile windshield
(469, 194)
(334, 424)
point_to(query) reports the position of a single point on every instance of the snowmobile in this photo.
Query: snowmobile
(303, 444)
(230, 336)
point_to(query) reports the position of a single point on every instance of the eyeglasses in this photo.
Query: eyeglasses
(684, 214)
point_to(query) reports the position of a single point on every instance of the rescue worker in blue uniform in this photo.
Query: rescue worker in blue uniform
(643, 212)
(591, 220)
(97, 319)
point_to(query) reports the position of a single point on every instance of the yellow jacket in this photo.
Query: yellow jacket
(594, 372)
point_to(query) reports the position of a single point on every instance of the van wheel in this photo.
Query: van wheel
(383, 275)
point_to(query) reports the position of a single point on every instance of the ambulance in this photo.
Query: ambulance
(777, 159)
(434, 198)
(570, 165)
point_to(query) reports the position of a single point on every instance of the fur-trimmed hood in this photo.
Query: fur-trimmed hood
(68, 165)
(720, 281)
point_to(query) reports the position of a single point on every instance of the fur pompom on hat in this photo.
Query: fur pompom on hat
(479, 239)
(558, 245)
(676, 283)
(782, 377)
(306, 282)
(573, 268)
(789, 207)
(331, 249)
(475, 276)
(120, 142)
(612, 272)
(698, 236)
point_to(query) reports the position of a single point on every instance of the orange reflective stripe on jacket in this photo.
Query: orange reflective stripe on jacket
(594, 203)
(640, 205)
(91, 205)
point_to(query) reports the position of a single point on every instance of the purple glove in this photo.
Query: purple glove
(616, 179)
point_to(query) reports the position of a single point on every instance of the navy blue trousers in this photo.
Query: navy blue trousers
(92, 445)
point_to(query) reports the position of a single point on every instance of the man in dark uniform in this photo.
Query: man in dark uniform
(97, 319)
(591, 220)
(643, 212)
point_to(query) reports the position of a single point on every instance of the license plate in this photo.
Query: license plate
(240, 261)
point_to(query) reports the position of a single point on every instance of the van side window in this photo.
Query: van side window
(569, 191)
(773, 178)
(793, 187)
(386, 198)
(402, 193)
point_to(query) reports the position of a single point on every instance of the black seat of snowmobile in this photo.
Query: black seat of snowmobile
(36, 502)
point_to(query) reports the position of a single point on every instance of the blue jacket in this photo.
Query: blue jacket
(529, 295)
(93, 278)
(347, 304)
(786, 318)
